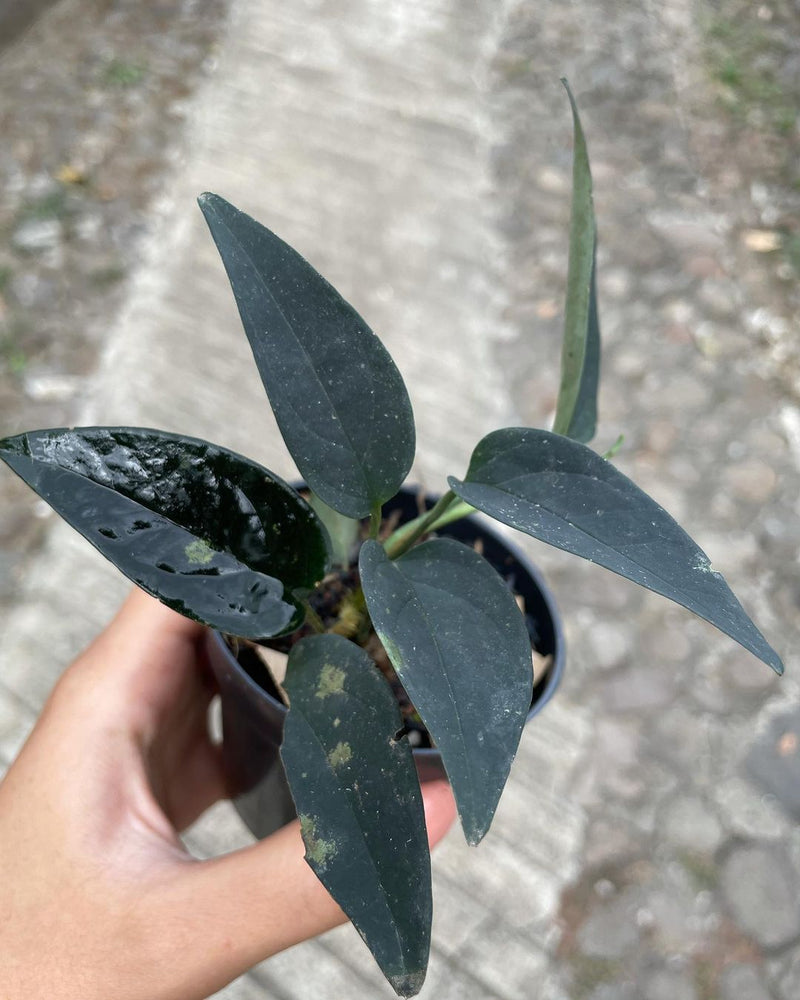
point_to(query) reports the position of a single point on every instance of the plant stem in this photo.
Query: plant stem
(454, 513)
(375, 522)
(312, 618)
(443, 512)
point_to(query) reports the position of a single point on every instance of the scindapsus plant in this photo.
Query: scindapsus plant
(228, 543)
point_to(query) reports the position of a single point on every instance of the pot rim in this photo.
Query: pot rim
(554, 674)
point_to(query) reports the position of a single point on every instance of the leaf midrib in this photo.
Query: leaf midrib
(421, 609)
(605, 546)
(339, 422)
(354, 816)
(137, 503)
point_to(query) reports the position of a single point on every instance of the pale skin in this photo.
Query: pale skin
(99, 900)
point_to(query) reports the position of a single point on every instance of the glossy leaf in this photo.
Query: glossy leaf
(337, 395)
(359, 802)
(576, 410)
(565, 494)
(211, 534)
(458, 642)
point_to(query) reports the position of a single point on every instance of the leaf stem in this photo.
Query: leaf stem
(375, 521)
(454, 513)
(312, 618)
(443, 512)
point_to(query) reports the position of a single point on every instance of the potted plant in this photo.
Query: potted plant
(249, 675)
(332, 577)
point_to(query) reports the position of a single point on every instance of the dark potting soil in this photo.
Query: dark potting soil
(327, 601)
(339, 589)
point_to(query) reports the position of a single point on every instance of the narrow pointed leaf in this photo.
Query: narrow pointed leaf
(359, 801)
(576, 411)
(457, 640)
(337, 395)
(209, 533)
(565, 494)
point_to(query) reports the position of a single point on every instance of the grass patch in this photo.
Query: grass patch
(52, 205)
(122, 73)
(702, 869)
(104, 277)
(12, 356)
(791, 250)
(743, 55)
(705, 980)
(589, 972)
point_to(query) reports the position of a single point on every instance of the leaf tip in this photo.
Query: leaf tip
(210, 203)
(474, 836)
(408, 984)
(762, 650)
(474, 823)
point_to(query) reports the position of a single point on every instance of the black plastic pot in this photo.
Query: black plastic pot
(252, 719)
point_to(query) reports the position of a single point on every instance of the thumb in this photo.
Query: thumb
(245, 906)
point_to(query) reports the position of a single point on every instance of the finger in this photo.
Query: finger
(440, 809)
(258, 901)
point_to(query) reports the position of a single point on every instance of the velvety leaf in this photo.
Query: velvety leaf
(458, 642)
(359, 802)
(565, 494)
(211, 534)
(337, 395)
(576, 411)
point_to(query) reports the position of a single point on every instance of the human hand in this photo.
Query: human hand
(98, 896)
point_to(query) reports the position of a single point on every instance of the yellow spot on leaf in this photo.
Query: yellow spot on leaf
(317, 849)
(340, 754)
(331, 681)
(199, 552)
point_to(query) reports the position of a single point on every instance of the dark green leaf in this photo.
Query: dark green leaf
(357, 794)
(338, 397)
(562, 492)
(576, 411)
(457, 640)
(208, 532)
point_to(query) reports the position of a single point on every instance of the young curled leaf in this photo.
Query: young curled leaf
(576, 411)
